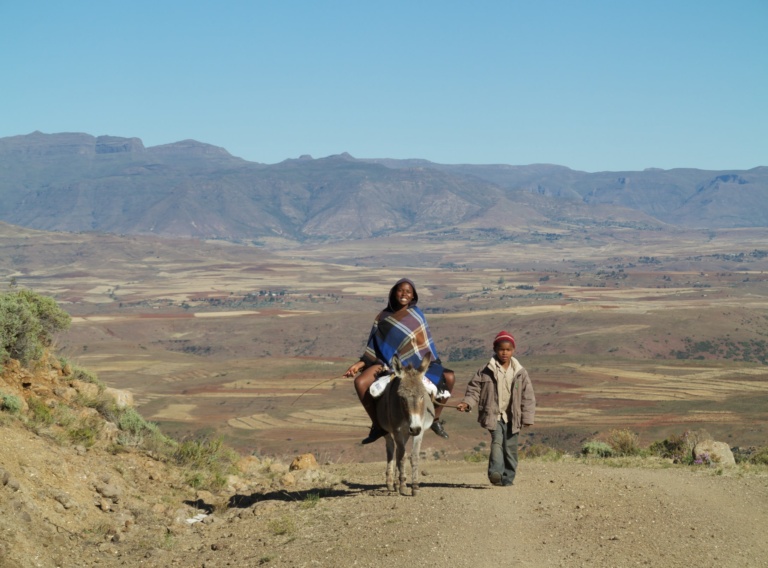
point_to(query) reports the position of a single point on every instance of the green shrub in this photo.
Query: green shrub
(208, 460)
(282, 526)
(86, 376)
(41, 413)
(540, 451)
(624, 442)
(751, 455)
(85, 432)
(136, 431)
(760, 456)
(597, 448)
(476, 457)
(10, 403)
(28, 322)
(678, 448)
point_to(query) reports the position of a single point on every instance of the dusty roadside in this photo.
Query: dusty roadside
(564, 513)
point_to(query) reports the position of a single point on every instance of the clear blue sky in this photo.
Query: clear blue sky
(592, 85)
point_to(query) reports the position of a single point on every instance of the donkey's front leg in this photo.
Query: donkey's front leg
(415, 451)
(400, 455)
(390, 462)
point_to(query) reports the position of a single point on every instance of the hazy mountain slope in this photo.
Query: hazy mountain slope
(78, 182)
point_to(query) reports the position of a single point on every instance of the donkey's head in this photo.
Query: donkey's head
(413, 396)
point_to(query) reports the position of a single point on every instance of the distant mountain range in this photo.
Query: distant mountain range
(77, 182)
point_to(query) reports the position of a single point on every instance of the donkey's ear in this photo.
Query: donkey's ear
(397, 365)
(425, 363)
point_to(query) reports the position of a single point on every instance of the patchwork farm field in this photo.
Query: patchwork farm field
(658, 332)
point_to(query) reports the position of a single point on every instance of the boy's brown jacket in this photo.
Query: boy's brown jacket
(482, 394)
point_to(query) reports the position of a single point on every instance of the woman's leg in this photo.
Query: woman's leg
(363, 381)
(446, 383)
(449, 378)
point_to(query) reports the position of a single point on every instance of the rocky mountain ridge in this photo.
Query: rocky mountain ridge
(77, 182)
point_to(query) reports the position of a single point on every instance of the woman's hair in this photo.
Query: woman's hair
(392, 301)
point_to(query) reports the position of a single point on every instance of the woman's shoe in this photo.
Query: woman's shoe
(437, 428)
(374, 435)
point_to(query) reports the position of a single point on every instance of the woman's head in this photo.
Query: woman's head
(402, 294)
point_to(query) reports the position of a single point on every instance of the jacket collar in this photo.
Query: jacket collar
(496, 367)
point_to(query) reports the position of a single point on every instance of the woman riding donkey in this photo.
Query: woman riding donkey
(400, 329)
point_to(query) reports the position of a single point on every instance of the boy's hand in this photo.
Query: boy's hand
(462, 407)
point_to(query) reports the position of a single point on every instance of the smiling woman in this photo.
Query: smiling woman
(400, 329)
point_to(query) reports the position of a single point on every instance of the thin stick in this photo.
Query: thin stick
(310, 388)
(437, 402)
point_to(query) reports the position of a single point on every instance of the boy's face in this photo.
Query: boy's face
(504, 351)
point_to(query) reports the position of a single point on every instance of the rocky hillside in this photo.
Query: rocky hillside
(78, 182)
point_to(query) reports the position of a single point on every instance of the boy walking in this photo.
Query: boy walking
(503, 395)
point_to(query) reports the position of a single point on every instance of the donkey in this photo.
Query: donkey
(405, 409)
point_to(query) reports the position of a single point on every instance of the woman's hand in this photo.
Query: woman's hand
(354, 369)
(462, 407)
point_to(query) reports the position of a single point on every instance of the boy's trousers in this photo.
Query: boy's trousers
(503, 458)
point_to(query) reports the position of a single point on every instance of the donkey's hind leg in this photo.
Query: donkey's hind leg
(390, 462)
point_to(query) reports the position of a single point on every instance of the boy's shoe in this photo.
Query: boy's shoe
(437, 428)
(495, 477)
(507, 483)
(374, 434)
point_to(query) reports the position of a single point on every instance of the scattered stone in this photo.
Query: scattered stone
(304, 461)
(109, 491)
(88, 390)
(288, 480)
(122, 397)
(65, 500)
(718, 452)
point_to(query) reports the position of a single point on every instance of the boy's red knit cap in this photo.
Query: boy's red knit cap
(504, 336)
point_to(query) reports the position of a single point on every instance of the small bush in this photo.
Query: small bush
(86, 376)
(10, 403)
(541, 451)
(677, 448)
(209, 461)
(41, 413)
(28, 322)
(751, 455)
(760, 456)
(311, 501)
(596, 448)
(282, 526)
(624, 442)
(85, 432)
(475, 457)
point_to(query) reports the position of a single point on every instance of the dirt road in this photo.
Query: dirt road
(565, 513)
(70, 508)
